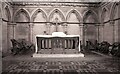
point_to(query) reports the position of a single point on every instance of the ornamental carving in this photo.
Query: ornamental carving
(56, 4)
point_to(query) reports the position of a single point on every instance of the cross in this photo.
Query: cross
(56, 24)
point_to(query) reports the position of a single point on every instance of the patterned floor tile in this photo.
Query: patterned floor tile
(63, 66)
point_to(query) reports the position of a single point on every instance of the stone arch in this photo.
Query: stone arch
(74, 16)
(90, 30)
(6, 29)
(22, 30)
(90, 12)
(36, 11)
(114, 14)
(78, 15)
(22, 11)
(7, 13)
(104, 14)
(57, 11)
(112, 11)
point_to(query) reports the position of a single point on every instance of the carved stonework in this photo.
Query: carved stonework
(72, 4)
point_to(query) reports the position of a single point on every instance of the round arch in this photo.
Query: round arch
(57, 11)
(78, 15)
(36, 11)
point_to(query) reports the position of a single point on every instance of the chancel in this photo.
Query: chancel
(60, 36)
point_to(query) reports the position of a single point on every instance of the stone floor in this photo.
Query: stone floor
(92, 63)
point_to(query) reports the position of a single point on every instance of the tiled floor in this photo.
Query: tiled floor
(92, 63)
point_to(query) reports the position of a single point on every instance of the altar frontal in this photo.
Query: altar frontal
(57, 44)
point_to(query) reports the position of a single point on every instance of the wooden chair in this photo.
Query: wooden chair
(20, 46)
(17, 47)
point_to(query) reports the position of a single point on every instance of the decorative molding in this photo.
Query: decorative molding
(12, 23)
(73, 4)
(103, 4)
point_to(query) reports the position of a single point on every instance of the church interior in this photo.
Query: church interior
(59, 37)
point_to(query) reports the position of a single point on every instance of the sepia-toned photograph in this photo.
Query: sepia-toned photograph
(59, 37)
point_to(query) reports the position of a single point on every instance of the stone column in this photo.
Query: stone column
(81, 34)
(31, 32)
(112, 24)
(48, 28)
(44, 43)
(67, 44)
(63, 43)
(84, 34)
(118, 24)
(98, 32)
(10, 34)
(48, 43)
(52, 43)
(103, 32)
(0, 36)
(65, 28)
(14, 30)
(70, 43)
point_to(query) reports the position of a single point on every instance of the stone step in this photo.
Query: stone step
(58, 51)
(36, 55)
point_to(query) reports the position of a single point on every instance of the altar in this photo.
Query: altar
(57, 45)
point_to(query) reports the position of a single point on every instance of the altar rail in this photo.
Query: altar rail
(54, 43)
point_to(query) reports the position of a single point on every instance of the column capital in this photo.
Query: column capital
(112, 23)
(48, 23)
(65, 24)
(12, 23)
(81, 25)
(31, 25)
(102, 25)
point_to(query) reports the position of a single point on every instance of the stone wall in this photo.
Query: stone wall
(0, 36)
(73, 15)
(109, 29)
(6, 30)
(27, 20)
